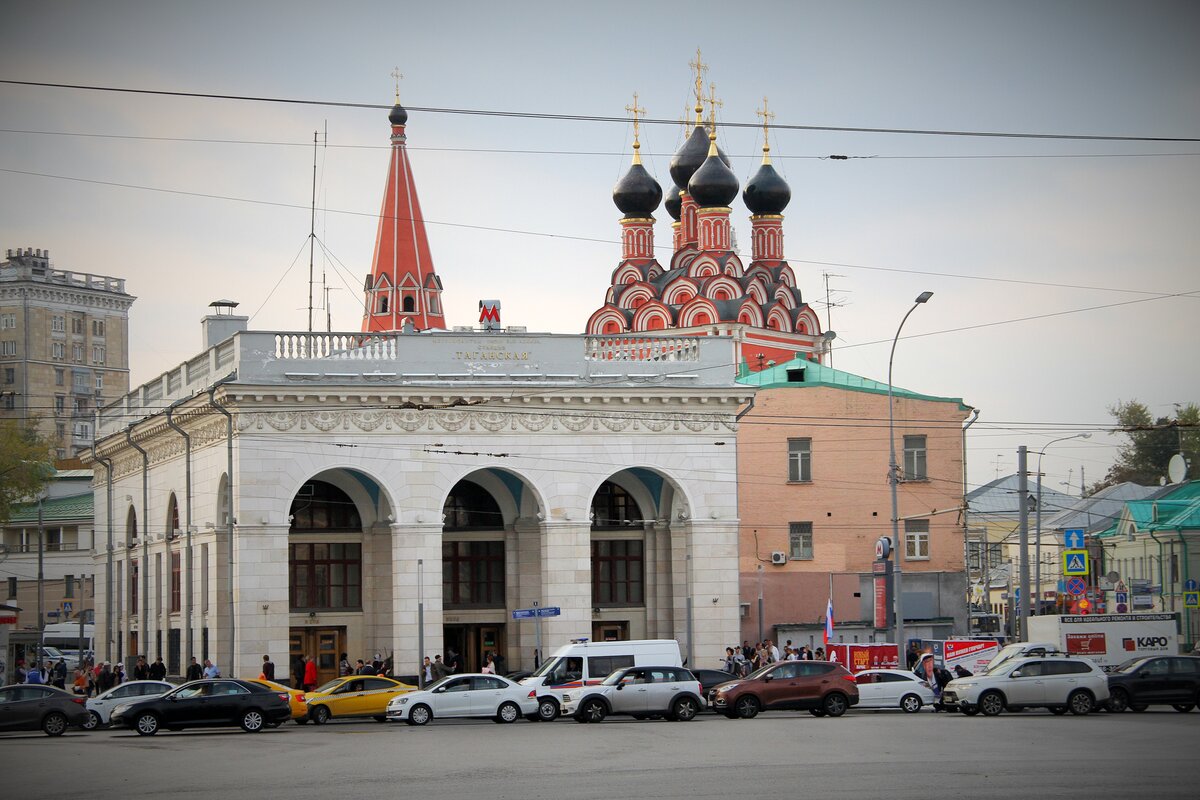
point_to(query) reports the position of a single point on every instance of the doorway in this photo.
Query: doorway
(610, 631)
(323, 644)
(473, 643)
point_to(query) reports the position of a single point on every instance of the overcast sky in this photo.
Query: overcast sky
(1087, 235)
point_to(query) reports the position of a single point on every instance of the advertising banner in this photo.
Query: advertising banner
(972, 654)
(866, 655)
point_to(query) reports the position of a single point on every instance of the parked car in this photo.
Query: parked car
(354, 696)
(1059, 683)
(671, 692)
(216, 702)
(823, 688)
(1160, 680)
(893, 688)
(101, 706)
(31, 707)
(296, 699)
(473, 695)
(712, 677)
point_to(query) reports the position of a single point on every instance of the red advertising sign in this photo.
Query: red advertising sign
(857, 657)
(8, 620)
(1086, 644)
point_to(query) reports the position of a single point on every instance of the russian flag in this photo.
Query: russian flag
(829, 621)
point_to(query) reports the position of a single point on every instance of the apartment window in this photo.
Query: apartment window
(58, 324)
(60, 429)
(473, 574)
(97, 327)
(8, 321)
(8, 348)
(81, 405)
(10, 401)
(176, 585)
(799, 459)
(99, 381)
(618, 572)
(916, 539)
(12, 587)
(97, 354)
(68, 586)
(10, 375)
(60, 453)
(326, 575)
(800, 541)
(914, 459)
(77, 353)
(54, 540)
(59, 376)
(58, 351)
(77, 325)
(133, 587)
(80, 381)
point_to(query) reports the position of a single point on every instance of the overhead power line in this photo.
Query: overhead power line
(602, 118)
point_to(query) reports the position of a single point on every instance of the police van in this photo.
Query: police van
(587, 663)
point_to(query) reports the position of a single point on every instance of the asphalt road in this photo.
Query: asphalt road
(779, 754)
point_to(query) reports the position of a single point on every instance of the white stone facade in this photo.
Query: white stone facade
(395, 422)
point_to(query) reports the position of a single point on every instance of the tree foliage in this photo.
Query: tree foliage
(1151, 443)
(26, 465)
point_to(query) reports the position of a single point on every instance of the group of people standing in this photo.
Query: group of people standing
(96, 677)
(741, 661)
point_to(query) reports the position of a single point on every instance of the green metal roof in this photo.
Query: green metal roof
(812, 374)
(77, 506)
(1176, 510)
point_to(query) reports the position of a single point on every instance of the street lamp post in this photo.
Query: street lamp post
(893, 479)
(1037, 547)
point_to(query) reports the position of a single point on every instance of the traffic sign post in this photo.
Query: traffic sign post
(1075, 562)
(1190, 585)
(1191, 599)
(1076, 586)
(536, 613)
(1073, 539)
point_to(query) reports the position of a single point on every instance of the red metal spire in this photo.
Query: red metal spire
(403, 286)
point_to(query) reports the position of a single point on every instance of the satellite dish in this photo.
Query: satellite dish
(1176, 468)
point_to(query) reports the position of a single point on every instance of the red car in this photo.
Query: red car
(823, 688)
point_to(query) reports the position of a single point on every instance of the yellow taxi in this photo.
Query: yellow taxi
(354, 696)
(295, 698)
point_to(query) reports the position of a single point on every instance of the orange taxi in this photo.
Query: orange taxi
(295, 698)
(354, 696)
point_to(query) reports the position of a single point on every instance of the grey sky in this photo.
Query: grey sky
(1123, 221)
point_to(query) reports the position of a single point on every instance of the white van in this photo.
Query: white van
(586, 663)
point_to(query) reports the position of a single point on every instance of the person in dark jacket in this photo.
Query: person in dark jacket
(158, 670)
(298, 672)
(194, 670)
(268, 668)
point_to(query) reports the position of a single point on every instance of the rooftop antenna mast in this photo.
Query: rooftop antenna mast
(829, 305)
(312, 224)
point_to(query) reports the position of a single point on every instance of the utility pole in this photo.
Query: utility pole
(1023, 499)
(41, 592)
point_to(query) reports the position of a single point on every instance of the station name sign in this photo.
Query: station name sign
(491, 355)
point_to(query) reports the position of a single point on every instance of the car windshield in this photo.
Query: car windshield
(546, 666)
(615, 678)
(329, 687)
(758, 673)
(440, 681)
(1130, 665)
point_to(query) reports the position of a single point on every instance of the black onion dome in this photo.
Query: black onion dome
(398, 116)
(714, 184)
(688, 158)
(637, 193)
(767, 192)
(674, 203)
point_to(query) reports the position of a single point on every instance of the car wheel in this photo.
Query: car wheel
(685, 709)
(54, 724)
(835, 704)
(92, 722)
(1183, 708)
(1138, 708)
(319, 715)
(970, 711)
(1058, 711)
(146, 724)
(593, 711)
(747, 706)
(910, 703)
(420, 715)
(817, 712)
(253, 721)
(1118, 701)
(991, 703)
(1081, 702)
(547, 709)
(508, 712)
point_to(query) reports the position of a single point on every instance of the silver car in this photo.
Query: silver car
(1059, 683)
(640, 692)
(100, 707)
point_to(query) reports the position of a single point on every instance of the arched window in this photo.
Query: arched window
(611, 327)
(613, 507)
(321, 506)
(131, 529)
(172, 515)
(655, 324)
(471, 507)
(223, 512)
(410, 304)
(383, 304)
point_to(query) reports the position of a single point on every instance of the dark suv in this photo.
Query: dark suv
(820, 687)
(1158, 680)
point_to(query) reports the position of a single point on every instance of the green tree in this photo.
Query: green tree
(1151, 443)
(26, 465)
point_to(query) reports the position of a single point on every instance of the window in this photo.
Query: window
(916, 539)
(799, 459)
(10, 375)
(80, 381)
(613, 507)
(914, 459)
(176, 586)
(408, 303)
(133, 586)
(81, 405)
(8, 347)
(8, 321)
(12, 587)
(59, 376)
(321, 506)
(54, 540)
(800, 541)
(382, 306)
(325, 575)
(58, 351)
(97, 354)
(607, 665)
(68, 586)
(99, 381)
(58, 324)
(617, 572)
(77, 353)
(97, 327)
(77, 325)
(473, 574)
(10, 401)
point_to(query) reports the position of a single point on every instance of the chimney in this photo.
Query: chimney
(222, 323)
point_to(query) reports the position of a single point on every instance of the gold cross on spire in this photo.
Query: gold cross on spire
(713, 102)
(767, 116)
(701, 68)
(398, 77)
(635, 110)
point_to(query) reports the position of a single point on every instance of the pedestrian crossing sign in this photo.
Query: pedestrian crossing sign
(1191, 599)
(1075, 562)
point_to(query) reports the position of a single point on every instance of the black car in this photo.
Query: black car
(207, 703)
(1158, 680)
(712, 677)
(34, 706)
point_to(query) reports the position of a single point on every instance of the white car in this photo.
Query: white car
(475, 695)
(671, 692)
(101, 706)
(1059, 683)
(893, 688)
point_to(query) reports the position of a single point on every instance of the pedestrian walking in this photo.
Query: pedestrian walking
(268, 668)
(34, 675)
(158, 670)
(298, 672)
(194, 671)
(310, 674)
(211, 670)
(440, 670)
(344, 667)
(490, 667)
(427, 671)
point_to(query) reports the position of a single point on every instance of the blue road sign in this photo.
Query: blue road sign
(1076, 586)
(524, 613)
(530, 613)
(1122, 597)
(1190, 585)
(67, 606)
(1191, 599)
(549, 611)
(1075, 562)
(1073, 539)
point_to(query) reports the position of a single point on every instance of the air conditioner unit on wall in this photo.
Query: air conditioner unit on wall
(779, 557)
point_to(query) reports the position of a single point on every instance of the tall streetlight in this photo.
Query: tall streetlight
(893, 479)
(1037, 547)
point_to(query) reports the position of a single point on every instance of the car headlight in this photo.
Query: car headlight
(727, 688)
(398, 701)
(119, 710)
(966, 685)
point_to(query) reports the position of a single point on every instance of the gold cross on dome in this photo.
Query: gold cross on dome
(713, 102)
(767, 116)
(396, 74)
(701, 69)
(636, 111)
